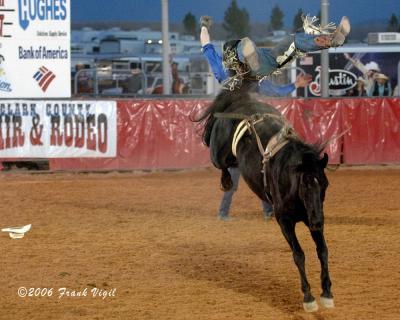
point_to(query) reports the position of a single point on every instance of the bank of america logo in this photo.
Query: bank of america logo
(44, 77)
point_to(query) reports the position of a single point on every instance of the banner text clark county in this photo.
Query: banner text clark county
(58, 129)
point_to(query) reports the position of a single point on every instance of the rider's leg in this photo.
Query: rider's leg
(226, 201)
(263, 61)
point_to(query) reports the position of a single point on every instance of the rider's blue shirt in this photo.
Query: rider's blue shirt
(265, 87)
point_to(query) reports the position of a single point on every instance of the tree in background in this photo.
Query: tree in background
(276, 21)
(298, 21)
(190, 24)
(236, 21)
(393, 25)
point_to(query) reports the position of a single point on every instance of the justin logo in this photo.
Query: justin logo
(339, 82)
(44, 77)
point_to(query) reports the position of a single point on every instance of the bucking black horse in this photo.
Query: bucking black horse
(278, 166)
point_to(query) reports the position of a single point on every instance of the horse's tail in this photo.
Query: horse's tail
(206, 122)
(224, 100)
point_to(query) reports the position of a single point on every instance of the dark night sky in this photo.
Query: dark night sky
(150, 10)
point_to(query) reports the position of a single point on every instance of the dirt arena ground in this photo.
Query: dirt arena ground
(152, 242)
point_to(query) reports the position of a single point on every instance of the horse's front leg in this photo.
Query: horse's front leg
(322, 250)
(288, 230)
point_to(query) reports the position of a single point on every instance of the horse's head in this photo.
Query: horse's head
(312, 186)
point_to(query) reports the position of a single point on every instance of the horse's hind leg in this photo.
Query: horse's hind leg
(322, 250)
(288, 230)
(226, 180)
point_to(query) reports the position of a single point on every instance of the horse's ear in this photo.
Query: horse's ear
(324, 161)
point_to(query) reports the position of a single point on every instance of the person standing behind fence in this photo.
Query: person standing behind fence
(358, 90)
(381, 87)
(396, 92)
(85, 82)
(178, 85)
(369, 72)
(133, 83)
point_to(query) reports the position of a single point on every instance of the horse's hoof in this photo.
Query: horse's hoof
(310, 306)
(224, 217)
(327, 302)
(268, 215)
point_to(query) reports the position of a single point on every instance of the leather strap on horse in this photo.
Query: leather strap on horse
(277, 142)
(256, 116)
(239, 132)
(242, 127)
(248, 123)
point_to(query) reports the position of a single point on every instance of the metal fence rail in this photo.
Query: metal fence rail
(107, 81)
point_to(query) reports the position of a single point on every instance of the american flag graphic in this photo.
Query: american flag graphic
(44, 77)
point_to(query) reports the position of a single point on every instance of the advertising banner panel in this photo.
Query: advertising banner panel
(346, 68)
(58, 129)
(35, 49)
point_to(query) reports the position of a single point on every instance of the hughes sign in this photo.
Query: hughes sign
(35, 49)
(41, 10)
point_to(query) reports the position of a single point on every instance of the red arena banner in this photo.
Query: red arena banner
(375, 130)
(315, 120)
(57, 129)
(152, 134)
(158, 134)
